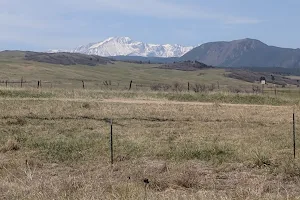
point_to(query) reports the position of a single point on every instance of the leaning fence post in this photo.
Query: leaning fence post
(294, 134)
(111, 143)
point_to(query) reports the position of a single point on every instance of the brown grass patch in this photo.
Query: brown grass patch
(186, 150)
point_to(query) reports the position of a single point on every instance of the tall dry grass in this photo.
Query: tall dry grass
(58, 148)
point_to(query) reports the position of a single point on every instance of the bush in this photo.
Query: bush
(199, 88)
(178, 87)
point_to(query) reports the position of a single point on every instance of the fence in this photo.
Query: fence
(133, 85)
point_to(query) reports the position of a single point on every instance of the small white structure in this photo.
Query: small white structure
(263, 80)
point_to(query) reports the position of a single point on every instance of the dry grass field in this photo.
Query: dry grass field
(55, 144)
(218, 143)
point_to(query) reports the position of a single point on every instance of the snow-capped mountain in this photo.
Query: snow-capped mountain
(125, 46)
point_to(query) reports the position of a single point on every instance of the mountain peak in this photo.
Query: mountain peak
(249, 40)
(120, 39)
(125, 46)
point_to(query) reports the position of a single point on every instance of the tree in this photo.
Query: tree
(273, 78)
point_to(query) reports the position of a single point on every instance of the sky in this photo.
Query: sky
(41, 25)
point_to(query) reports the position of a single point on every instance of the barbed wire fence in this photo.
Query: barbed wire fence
(137, 86)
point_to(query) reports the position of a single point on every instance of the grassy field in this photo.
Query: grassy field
(225, 143)
(54, 144)
(14, 67)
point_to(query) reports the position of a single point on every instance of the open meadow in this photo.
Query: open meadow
(220, 140)
(56, 145)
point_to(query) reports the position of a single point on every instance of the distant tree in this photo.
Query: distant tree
(273, 78)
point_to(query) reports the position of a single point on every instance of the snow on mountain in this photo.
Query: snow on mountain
(125, 46)
(56, 51)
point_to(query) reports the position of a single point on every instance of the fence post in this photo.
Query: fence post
(111, 143)
(188, 86)
(130, 85)
(21, 82)
(294, 134)
(38, 86)
(218, 85)
(83, 84)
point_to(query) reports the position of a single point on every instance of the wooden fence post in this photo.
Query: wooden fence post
(38, 86)
(294, 135)
(111, 143)
(83, 84)
(130, 85)
(21, 82)
(188, 86)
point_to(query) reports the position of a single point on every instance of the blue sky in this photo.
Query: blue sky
(63, 24)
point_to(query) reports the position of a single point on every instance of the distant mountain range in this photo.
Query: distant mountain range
(125, 46)
(237, 53)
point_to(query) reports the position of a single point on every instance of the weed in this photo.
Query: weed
(261, 159)
(10, 145)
